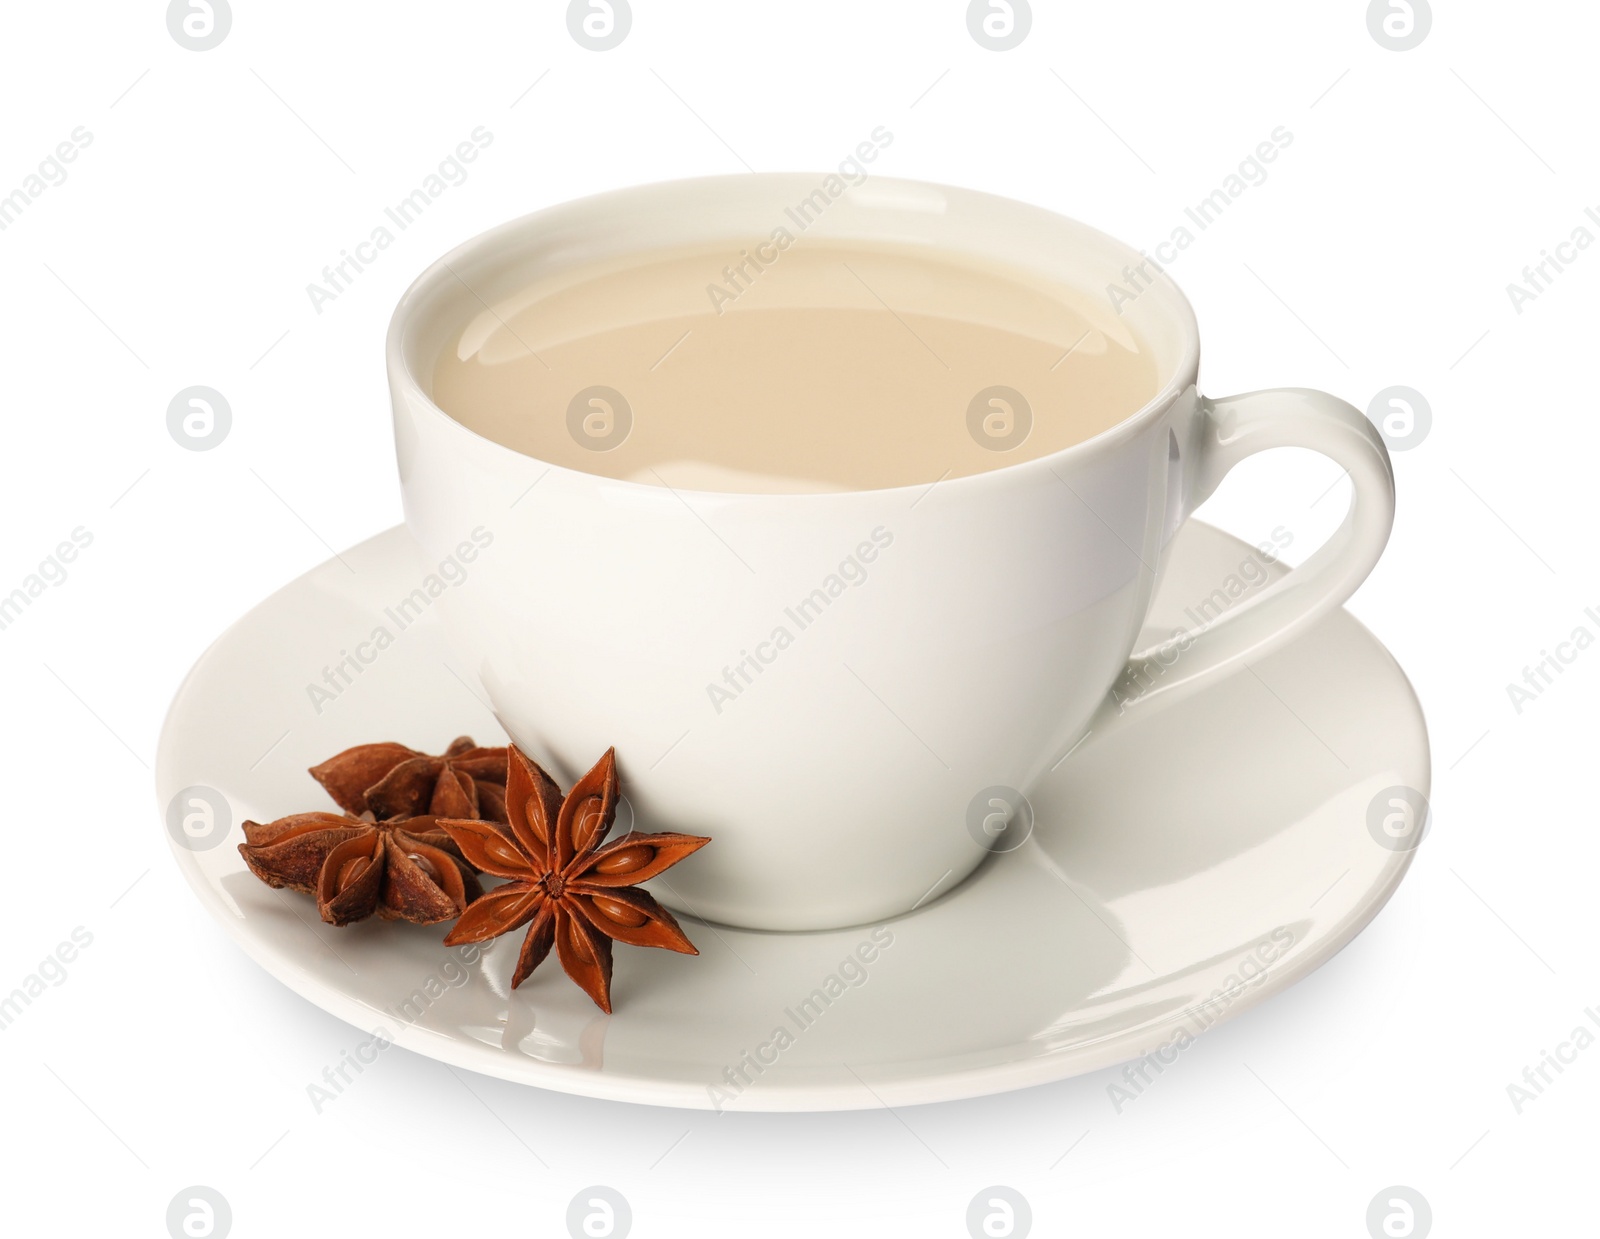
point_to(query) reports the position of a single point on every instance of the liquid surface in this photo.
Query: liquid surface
(819, 367)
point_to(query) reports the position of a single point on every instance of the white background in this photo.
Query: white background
(217, 186)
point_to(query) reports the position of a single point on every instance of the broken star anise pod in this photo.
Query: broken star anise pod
(573, 890)
(389, 780)
(406, 869)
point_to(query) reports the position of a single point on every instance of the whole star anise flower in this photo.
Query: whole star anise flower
(571, 892)
(405, 869)
(389, 780)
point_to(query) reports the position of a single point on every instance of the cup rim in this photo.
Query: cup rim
(439, 274)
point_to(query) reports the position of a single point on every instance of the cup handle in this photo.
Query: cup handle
(1233, 428)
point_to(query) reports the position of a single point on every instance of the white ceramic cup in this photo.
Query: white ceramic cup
(987, 623)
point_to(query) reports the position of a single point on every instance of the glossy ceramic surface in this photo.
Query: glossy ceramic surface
(1206, 853)
(936, 641)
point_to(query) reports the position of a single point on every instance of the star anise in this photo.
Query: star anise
(404, 869)
(571, 892)
(390, 780)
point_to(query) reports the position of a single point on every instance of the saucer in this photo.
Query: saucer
(1179, 871)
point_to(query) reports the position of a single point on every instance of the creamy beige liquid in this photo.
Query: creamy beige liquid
(823, 366)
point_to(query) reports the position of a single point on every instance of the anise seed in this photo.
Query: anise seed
(626, 860)
(350, 872)
(506, 854)
(621, 913)
(424, 864)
